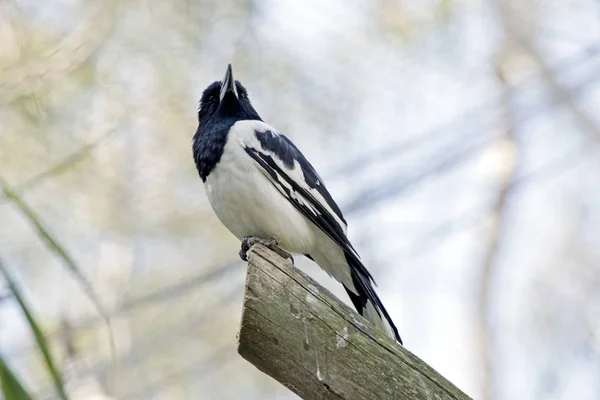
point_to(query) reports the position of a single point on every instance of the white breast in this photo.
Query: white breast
(247, 203)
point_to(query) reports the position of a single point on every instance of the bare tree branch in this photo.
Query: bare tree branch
(378, 192)
(563, 67)
(489, 267)
(562, 92)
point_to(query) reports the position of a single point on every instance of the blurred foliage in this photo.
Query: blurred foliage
(55, 247)
(396, 103)
(11, 385)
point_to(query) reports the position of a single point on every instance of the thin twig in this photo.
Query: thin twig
(489, 266)
(561, 91)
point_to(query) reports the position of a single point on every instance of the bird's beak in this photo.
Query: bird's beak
(228, 85)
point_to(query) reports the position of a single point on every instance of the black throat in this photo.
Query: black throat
(213, 128)
(209, 144)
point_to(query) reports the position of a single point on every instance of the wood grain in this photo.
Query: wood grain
(297, 332)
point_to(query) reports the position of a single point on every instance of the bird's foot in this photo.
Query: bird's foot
(249, 241)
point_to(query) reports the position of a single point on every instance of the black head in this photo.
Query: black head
(222, 105)
(225, 100)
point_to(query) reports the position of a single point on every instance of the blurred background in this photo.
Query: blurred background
(459, 138)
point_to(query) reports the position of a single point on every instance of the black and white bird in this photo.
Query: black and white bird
(261, 186)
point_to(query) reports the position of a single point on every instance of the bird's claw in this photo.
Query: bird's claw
(249, 241)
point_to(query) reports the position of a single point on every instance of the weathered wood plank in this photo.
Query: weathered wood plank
(300, 334)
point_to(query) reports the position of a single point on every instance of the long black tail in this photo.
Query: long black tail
(367, 303)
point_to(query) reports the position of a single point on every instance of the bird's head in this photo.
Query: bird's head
(226, 100)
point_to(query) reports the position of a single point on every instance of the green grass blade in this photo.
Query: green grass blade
(12, 389)
(55, 247)
(37, 333)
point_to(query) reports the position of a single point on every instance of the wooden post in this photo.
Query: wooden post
(297, 332)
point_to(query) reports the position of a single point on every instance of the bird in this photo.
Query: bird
(263, 189)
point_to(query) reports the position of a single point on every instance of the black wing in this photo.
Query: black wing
(274, 144)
